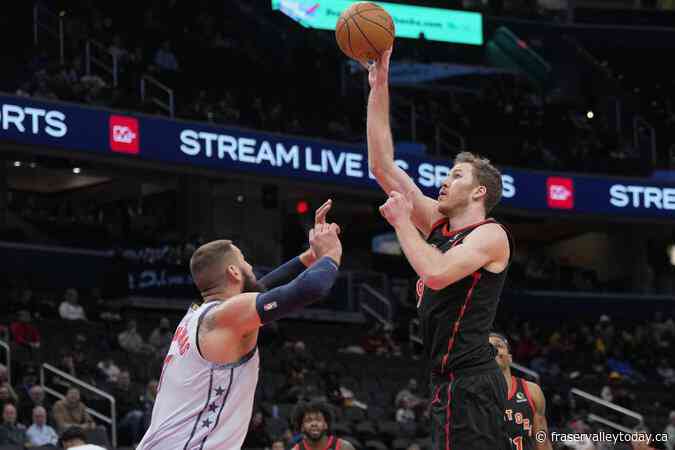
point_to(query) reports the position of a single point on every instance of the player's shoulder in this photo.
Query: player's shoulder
(490, 228)
(533, 387)
(536, 394)
(488, 235)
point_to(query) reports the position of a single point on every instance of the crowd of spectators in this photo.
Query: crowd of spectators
(628, 364)
(526, 127)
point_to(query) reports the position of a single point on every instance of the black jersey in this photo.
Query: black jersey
(456, 321)
(333, 443)
(519, 415)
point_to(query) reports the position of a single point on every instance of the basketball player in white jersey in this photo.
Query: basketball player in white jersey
(206, 390)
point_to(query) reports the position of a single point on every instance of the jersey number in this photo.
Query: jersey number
(518, 442)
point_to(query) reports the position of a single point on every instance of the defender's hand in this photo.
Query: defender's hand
(324, 241)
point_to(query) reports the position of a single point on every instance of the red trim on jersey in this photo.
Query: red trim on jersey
(437, 224)
(330, 442)
(436, 395)
(448, 414)
(338, 444)
(514, 387)
(455, 330)
(450, 233)
(529, 397)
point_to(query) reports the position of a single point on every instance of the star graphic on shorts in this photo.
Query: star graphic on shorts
(206, 423)
(219, 390)
(213, 407)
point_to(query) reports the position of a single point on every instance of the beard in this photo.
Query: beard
(315, 436)
(252, 285)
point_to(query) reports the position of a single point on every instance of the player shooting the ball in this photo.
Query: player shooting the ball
(462, 258)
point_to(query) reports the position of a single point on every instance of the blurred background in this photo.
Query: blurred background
(132, 132)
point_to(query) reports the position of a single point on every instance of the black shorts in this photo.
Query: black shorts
(467, 411)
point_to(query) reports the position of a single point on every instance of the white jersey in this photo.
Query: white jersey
(201, 405)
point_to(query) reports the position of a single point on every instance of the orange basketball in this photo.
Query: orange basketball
(364, 31)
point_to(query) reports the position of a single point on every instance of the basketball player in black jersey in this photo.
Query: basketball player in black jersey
(461, 258)
(313, 420)
(525, 403)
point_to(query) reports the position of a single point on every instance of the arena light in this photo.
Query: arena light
(17, 163)
(671, 253)
(436, 24)
(302, 207)
(590, 114)
(76, 170)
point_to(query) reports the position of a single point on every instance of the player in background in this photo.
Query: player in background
(207, 386)
(525, 403)
(314, 420)
(461, 258)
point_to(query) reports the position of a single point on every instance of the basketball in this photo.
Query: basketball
(364, 31)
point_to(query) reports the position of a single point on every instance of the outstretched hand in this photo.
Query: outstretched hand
(322, 212)
(324, 241)
(310, 255)
(397, 209)
(378, 72)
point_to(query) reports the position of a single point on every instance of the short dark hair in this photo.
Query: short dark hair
(205, 258)
(73, 433)
(486, 175)
(315, 406)
(502, 338)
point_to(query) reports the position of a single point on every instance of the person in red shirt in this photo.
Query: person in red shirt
(24, 332)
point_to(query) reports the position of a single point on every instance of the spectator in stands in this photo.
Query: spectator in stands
(74, 439)
(414, 446)
(69, 309)
(257, 436)
(129, 413)
(4, 374)
(131, 341)
(36, 397)
(67, 365)
(666, 372)
(165, 58)
(70, 411)
(7, 395)
(104, 310)
(11, 432)
(117, 50)
(617, 363)
(160, 338)
(296, 356)
(28, 380)
(24, 332)
(379, 341)
(24, 302)
(293, 388)
(405, 416)
(670, 432)
(108, 370)
(278, 444)
(410, 393)
(39, 433)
